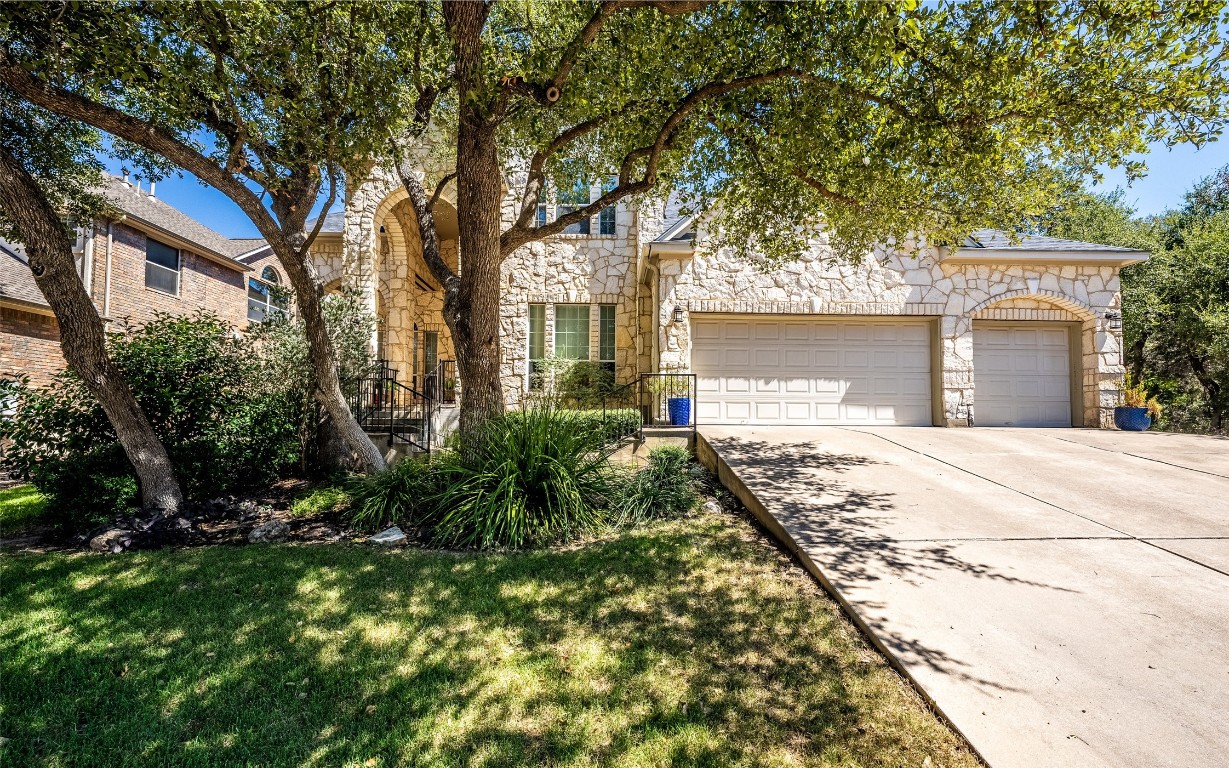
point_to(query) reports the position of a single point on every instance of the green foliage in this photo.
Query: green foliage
(527, 477)
(611, 425)
(19, 506)
(283, 358)
(1175, 306)
(666, 487)
(583, 384)
(331, 497)
(198, 384)
(1133, 395)
(402, 495)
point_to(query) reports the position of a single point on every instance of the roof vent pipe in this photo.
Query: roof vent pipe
(125, 172)
(151, 189)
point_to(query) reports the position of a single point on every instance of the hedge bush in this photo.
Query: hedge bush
(198, 383)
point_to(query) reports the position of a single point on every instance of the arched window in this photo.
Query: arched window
(266, 298)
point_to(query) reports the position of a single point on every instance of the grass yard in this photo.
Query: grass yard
(20, 506)
(689, 642)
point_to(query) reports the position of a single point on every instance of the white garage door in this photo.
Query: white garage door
(811, 371)
(1021, 375)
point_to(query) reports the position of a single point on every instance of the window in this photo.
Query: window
(541, 216)
(161, 267)
(573, 200)
(265, 297)
(572, 331)
(606, 218)
(606, 336)
(537, 344)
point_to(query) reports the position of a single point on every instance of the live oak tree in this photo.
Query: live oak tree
(271, 104)
(867, 121)
(48, 172)
(1176, 304)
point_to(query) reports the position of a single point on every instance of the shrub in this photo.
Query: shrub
(400, 495)
(284, 367)
(583, 384)
(200, 388)
(527, 477)
(612, 425)
(667, 487)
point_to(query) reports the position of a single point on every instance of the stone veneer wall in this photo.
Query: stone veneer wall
(894, 283)
(603, 270)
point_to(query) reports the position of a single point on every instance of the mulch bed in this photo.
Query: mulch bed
(222, 521)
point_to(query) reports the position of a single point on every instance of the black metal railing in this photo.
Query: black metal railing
(617, 403)
(385, 406)
(667, 401)
(440, 384)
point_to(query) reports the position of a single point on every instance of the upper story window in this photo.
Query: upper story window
(162, 263)
(572, 200)
(606, 218)
(266, 299)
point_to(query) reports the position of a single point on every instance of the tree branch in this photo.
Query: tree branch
(425, 219)
(439, 188)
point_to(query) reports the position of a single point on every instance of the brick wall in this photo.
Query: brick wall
(203, 284)
(30, 345)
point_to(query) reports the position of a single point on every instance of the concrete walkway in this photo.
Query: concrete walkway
(1062, 596)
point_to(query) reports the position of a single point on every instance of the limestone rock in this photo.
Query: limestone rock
(114, 541)
(265, 533)
(390, 536)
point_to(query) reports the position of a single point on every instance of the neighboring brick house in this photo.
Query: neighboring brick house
(994, 332)
(149, 258)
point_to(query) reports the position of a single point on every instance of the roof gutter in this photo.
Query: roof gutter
(187, 245)
(1018, 256)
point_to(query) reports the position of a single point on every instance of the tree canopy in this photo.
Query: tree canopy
(1176, 304)
(868, 120)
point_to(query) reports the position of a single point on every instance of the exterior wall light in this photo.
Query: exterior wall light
(1115, 320)
(678, 314)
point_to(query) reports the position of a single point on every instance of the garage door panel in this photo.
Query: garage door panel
(856, 358)
(1021, 375)
(736, 330)
(815, 371)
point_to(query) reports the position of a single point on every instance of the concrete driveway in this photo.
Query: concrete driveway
(1061, 595)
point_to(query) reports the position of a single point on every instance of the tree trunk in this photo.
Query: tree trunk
(329, 394)
(81, 333)
(474, 314)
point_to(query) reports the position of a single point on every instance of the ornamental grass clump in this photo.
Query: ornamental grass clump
(666, 487)
(401, 495)
(529, 477)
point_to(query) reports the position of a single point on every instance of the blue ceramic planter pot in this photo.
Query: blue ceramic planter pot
(1132, 419)
(680, 411)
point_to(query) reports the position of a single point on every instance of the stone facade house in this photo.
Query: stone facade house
(149, 258)
(997, 331)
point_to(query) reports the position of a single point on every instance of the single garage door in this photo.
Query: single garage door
(1021, 375)
(811, 371)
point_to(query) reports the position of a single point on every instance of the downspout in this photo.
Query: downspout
(87, 266)
(106, 291)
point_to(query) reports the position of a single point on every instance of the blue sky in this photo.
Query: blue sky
(1171, 172)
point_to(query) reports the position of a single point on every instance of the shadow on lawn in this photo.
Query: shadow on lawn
(685, 644)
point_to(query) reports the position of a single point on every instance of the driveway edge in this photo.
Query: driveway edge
(710, 459)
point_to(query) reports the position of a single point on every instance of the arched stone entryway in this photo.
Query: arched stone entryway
(1099, 351)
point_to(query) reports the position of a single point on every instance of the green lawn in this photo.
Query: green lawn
(20, 506)
(683, 643)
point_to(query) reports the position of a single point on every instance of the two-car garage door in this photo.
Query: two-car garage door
(812, 371)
